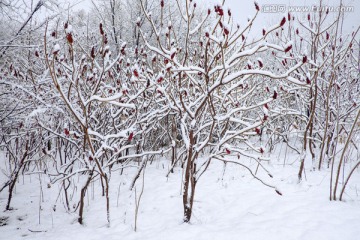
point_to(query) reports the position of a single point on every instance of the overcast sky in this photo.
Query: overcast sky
(242, 9)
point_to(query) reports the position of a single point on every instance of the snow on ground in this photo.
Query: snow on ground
(234, 206)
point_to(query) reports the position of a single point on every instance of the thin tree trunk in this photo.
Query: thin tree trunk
(82, 196)
(343, 154)
(13, 181)
(189, 186)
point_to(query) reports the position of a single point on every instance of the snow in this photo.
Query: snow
(69, 29)
(56, 48)
(168, 66)
(36, 112)
(265, 110)
(290, 43)
(193, 123)
(229, 206)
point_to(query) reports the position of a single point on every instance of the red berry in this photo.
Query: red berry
(101, 29)
(283, 21)
(66, 131)
(69, 38)
(136, 74)
(275, 95)
(287, 49)
(304, 60)
(257, 6)
(131, 137)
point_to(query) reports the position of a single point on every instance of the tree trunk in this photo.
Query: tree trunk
(189, 181)
(14, 178)
(82, 196)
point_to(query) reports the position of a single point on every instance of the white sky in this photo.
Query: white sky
(242, 9)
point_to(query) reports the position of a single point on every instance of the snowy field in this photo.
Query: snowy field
(229, 206)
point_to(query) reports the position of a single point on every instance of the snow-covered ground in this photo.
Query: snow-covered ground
(233, 206)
